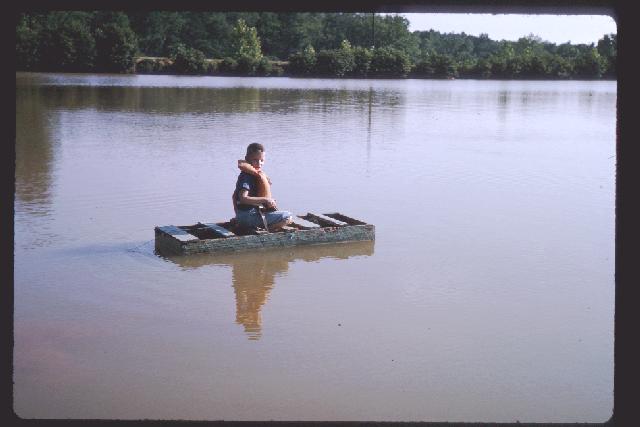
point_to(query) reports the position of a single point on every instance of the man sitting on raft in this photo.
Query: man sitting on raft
(252, 197)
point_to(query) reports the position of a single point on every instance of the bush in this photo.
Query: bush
(466, 67)
(153, 66)
(247, 65)
(211, 67)
(424, 68)
(277, 70)
(515, 65)
(264, 67)
(560, 67)
(304, 62)
(187, 60)
(325, 63)
(228, 66)
(498, 65)
(538, 65)
(389, 62)
(361, 61)
(146, 66)
(335, 62)
(436, 65)
(483, 68)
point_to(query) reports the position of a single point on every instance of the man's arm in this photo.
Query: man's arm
(245, 199)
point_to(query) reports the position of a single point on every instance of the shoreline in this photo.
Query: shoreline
(322, 77)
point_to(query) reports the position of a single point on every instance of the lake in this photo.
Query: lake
(488, 294)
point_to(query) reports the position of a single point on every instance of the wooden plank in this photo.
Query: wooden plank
(349, 220)
(333, 222)
(271, 240)
(303, 223)
(178, 233)
(219, 230)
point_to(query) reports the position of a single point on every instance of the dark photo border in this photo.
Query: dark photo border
(626, 396)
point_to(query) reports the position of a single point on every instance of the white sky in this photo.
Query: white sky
(553, 28)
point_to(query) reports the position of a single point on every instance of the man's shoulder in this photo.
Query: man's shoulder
(245, 177)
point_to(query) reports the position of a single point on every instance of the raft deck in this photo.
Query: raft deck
(229, 236)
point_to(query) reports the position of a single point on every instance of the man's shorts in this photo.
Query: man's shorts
(252, 218)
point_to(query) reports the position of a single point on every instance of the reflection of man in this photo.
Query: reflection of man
(253, 279)
(254, 276)
(254, 273)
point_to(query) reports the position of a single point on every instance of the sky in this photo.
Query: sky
(552, 28)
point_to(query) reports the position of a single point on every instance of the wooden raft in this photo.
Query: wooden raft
(228, 236)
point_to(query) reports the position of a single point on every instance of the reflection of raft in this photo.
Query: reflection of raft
(230, 237)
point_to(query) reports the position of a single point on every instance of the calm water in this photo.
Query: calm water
(488, 294)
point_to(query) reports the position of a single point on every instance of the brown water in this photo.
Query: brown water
(488, 294)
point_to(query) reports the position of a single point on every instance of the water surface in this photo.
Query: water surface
(488, 294)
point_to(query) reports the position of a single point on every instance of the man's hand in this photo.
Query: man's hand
(270, 204)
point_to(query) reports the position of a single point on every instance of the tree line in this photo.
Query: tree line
(306, 44)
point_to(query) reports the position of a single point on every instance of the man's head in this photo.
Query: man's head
(255, 155)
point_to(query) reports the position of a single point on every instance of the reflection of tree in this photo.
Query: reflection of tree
(207, 100)
(503, 104)
(34, 151)
(254, 273)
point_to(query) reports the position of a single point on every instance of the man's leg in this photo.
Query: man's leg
(279, 225)
(281, 219)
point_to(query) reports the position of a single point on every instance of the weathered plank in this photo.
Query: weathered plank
(344, 218)
(303, 223)
(333, 222)
(178, 233)
(220, 231)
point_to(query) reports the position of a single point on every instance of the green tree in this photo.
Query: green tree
(268, 27)
(159, 32)
(483, 46)
(246, 42)
(589, 64)
(66, 42)
(607, 45)
(104, 41)
(393, 31)
(116, 43)
(246, 47)
(27, 43)
(608, 50)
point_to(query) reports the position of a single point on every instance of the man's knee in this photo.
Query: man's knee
(278, 225)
